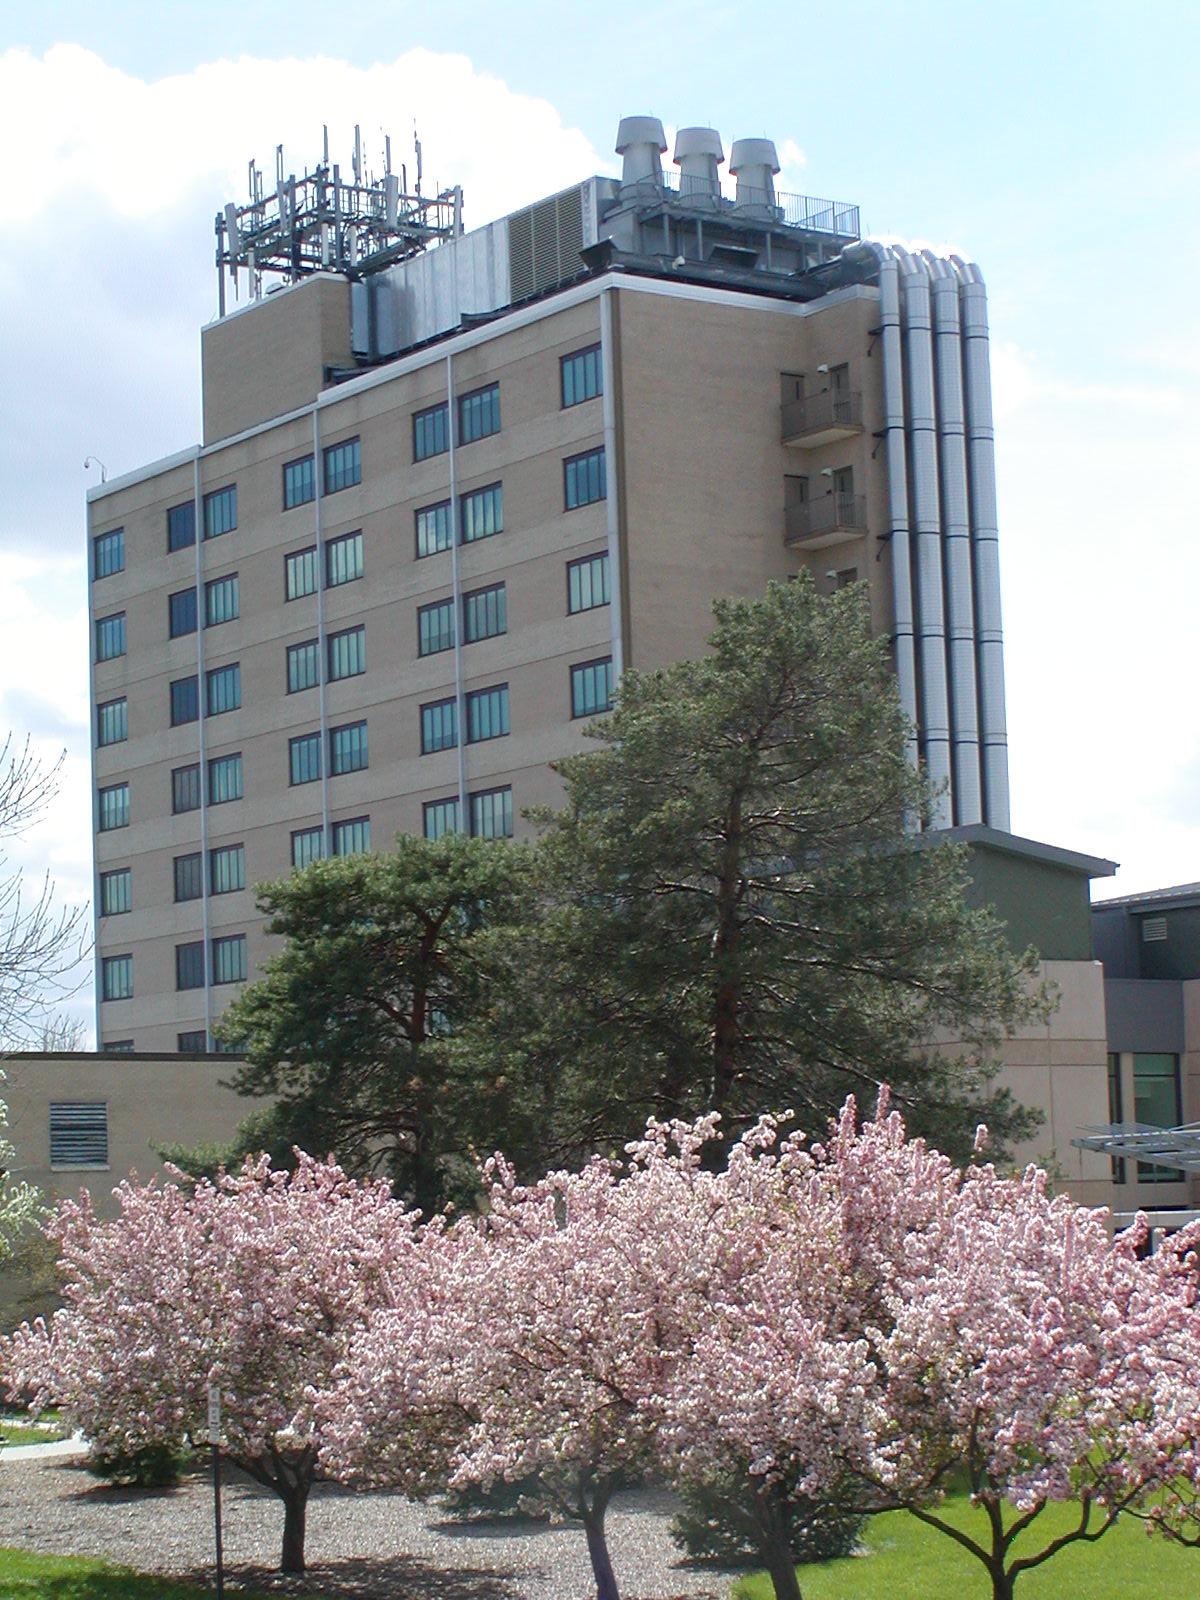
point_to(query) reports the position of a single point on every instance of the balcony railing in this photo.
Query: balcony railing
(824, 519)
(821, 418)
(835, 218)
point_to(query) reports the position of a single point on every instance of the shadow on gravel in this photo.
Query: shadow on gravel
(398, 1578)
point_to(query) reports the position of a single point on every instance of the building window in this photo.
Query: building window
(224, 779)
(348, 748)
(111, 722)
(431, 432)
(304, 758)
(185, 700)
(482, 513)
(108, 553)
(227, 869)
(343, 465)
(303, 666)
(110, 637)
(299, 482)
(352, 837)
(308, 845)
(224, 689)
(181, 526)
(584, 479)
(492, 814)
(591, 688)
(433, 529)
(116, 977)
(343, 560)
(1115, 1115)
(347, 653)
(194, 1043)
(182, 607)
(439, 726)
(479, 414)
(487, 714)
(220, 512)
(229, 959)
(114, 807)
(435, 626)
(117, 1047)
(441, 816)
(582, 376)
(78, 1133)
(185, 788)
(587, 583)
(189, 965)
(300, 571)
(116, 892)
(1157, 1104)
(220, 600)
(189, 881)
(484, 614)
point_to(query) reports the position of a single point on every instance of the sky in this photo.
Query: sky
(1057, 145)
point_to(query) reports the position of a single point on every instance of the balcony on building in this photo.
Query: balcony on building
(824, 519)
(810, 420)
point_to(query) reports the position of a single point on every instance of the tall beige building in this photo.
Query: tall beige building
(452, 483)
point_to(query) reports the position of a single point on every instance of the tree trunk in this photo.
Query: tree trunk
(295, 1502)
(783, 1574)
(602, 1569)
(773, 1543)
(1002, 1582)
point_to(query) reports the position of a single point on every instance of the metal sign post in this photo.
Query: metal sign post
(214, 1439)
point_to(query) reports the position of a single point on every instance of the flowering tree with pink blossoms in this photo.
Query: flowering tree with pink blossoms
(255, 1283)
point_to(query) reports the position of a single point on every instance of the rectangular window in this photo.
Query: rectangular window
(479, 414)
(484, 614)
(78, 1133)
(227, 869)
(182, 608)
(224, 779)
(181, 526)
(343, 465)
(439, 726)
(584, 478)
(308, 845)
(348, 748)
(114, 807)
(111, 722)
(587, 583)
(352, 837)
(108, 553)
(189, 965)
(431, 432)
(110, 637)
(582, 376)
(220, 600)
(194, 1043)
(189, 882)
(343, 560)
(185, 788)
(117, 1047)
(224, 688)
(433, 529)
(347, 653)
(1114, 1109)
(220, 512)
(229, 959)
(300, 570)
(304, 759)
(435, 626)
(299, 483)
(487, 714)
(441, 816)
(492, 814)
(116, 892)
(116, 977)
(1157, 1104)
(185, 700)
(303, 666)
(482, 513)
(591, 688)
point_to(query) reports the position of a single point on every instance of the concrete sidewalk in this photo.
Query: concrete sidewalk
(56, 1450)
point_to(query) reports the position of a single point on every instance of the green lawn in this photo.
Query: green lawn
(33, 1577)
(908, 1561)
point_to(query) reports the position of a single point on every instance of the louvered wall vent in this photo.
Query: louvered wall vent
(1154, 930)
(544, 242)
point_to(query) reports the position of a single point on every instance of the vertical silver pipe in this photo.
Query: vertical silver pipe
(616, 616)
(202, 697)
(956, 543)
(464, 821)
(323, 660)
(893, 390)
(981, 473)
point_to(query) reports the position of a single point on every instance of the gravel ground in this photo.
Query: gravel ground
(359, 1546)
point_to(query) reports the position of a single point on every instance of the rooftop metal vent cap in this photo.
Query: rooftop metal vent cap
(641, 142)
(698, 154)
(754, 164)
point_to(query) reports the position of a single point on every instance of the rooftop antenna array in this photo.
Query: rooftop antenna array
(319, 223)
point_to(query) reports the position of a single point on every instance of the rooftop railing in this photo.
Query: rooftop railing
(833, 217)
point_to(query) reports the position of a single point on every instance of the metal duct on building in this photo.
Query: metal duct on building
(698, 154)
(641, 144)
(754, 164)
